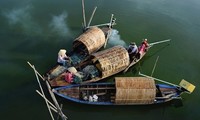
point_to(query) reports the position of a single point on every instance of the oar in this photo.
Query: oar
(158, 80)
(154, 43)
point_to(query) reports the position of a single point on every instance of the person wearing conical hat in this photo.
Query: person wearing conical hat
(62, 57)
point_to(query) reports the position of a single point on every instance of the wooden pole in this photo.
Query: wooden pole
(91, 17)
(83, 10)
(59, 111)
(151, 44)
(154, 66)
(109, 32)
(36, 71)
(105, 24)
(58, 114)
(111, 19)
(158, 79)
(55, 101)
(42, 92)
(46, 99)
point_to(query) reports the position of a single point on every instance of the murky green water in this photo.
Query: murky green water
(35, 30)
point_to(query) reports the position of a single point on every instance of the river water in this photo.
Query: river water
(35, 30)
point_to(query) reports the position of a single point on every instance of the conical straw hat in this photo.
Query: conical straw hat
(62, 52)
(74, 71)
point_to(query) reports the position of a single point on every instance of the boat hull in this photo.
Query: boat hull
(74, 93)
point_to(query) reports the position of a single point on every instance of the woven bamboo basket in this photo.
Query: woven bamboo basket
(135, 90)
(111, 61)
(90, 41)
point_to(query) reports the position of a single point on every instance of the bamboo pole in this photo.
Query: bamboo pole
(154, 66)
(102, 24)
(91, 17)
(83, 10)
(151, 44)
(36, 71)
(42, 92)
(111, 19)
(158, 79)
(109, 32)
(56, 102)
(46, 100)
(58, 114)
(59, 111)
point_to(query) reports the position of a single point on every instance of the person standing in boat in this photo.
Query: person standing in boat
(132, 49)
(143, 48)
(62, 57)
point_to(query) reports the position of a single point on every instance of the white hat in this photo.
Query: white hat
(72, 70)
(75, 72)
(62, 52)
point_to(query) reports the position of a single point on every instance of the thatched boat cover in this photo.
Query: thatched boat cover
(90, 41)
(111, 61)
(135, 90)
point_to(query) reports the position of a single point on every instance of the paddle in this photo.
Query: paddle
(154, 43)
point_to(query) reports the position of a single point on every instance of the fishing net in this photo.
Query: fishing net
(90, 71)
(77, 58)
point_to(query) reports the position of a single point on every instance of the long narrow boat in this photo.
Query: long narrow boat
(124, 91)
(134, 61)
(99, 65)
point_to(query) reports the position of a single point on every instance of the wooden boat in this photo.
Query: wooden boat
(99, 65)
(124, 91)
(90, 41)
(142, 54)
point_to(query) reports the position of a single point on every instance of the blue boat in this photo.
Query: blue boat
(123, 91)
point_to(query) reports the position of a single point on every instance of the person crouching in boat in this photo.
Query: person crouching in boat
(69, 77)
(63, 59)
(132, 50)
(142, 48)
(73, 76)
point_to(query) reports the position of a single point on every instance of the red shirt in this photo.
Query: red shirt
(143, 47)
(69, 77)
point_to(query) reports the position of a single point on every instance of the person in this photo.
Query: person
(69, 76)
(62, 57)
(132, 49)
(143, 47)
